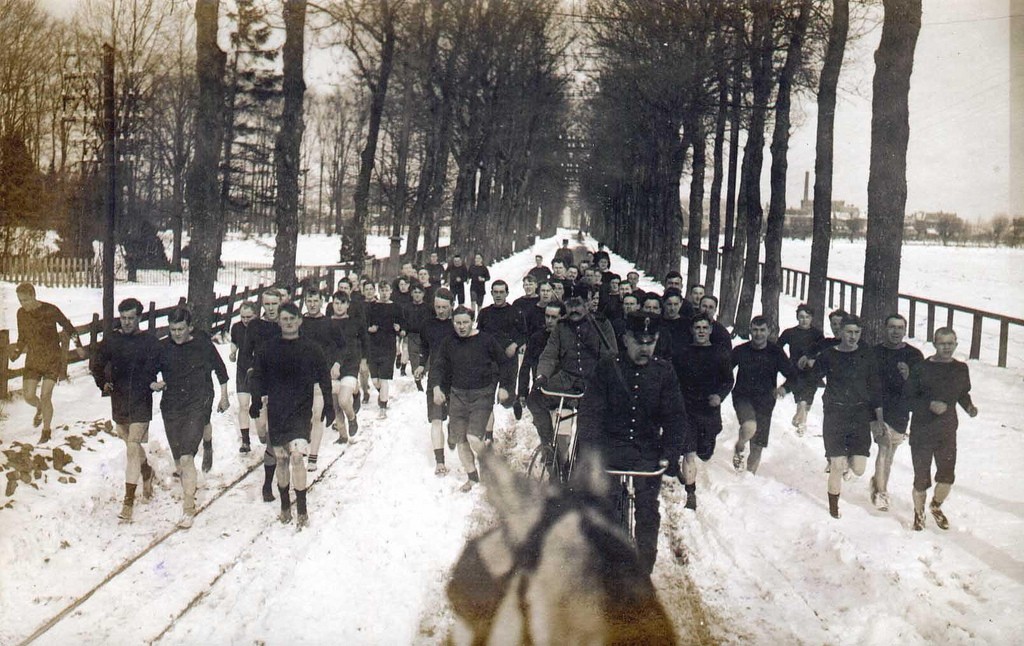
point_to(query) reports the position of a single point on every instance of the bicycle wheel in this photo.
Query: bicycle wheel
(541, 464)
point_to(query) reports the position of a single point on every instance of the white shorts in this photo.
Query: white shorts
(294, 446)
(348, 381)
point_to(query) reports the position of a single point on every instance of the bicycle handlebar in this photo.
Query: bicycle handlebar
(635, 474)
(555, 393)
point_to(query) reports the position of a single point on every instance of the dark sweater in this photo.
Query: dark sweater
(505, 323)
(893, 404)
(800, 341)
(350, 335)
(320, 331)
(416, 316)
(758, 368)
(703, 370)
(285, 371)
(534, 346)
(930, 381)
(456, 276)
(129, 363)
(469, 363)
(186, 370)
(432, 336)
(38, 336)
(851, 378)
(478, 277)
(385, 316)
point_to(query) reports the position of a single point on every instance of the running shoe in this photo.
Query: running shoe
(737, 460)
(440, 470)
(285, 516)
(37, 419)
(302, 520)
(186, 520)
(918, 521)
(126, 513)
(311, 463)
(883, 501)
(940, 518)
(466, 486)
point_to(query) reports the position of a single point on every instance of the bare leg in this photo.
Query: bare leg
(437, 435)
(187, 466)
(942, 490)
(317, 429)
(28, 391)
(690, 468)
(837, 466)
(46, 402)
(857, 463)
(244, 399)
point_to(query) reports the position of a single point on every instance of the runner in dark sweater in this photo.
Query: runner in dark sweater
(285, 372)
(553, 313)
(416, 315)
(529, 298)
(384, 323)
(123, 367)
(479, 274)
(753, 397)
(799, 340)
(539, 272)
(239, 331)
(852, 405)
(895, 359)
(261, 331)
(317, 328)
(185, 362)
(401, 295)
(466, 370)
(503, 321)
(434, 269)
(932, 392)
(705, 377)
(534, 316)
(39, 339)
(429, 285)
(432, 337)
(456, 276)
(350, 334)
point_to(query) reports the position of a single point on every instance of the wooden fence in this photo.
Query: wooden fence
(51, 271)
(848, 295)
(154, 321)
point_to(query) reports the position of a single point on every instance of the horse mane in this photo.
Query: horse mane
(557, 569)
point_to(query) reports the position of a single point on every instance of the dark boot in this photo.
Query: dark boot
(833, 505)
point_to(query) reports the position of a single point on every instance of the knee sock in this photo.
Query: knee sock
(245, 436)
(474, 476)
(129, 494)
(439, 456)
(300, 501)
(146, 470)
(268, 476)
(691, 488)
(286, 502)
(207, 446)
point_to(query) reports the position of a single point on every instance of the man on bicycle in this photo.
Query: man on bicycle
(633, 413)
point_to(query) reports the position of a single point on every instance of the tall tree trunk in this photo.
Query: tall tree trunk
(771, 282)
(714, 210)
(822, 221)
(201, 192)
(887, 176)
(697, 166)
(753, 157)
(353, 243)
(735, 241)
(288, 144)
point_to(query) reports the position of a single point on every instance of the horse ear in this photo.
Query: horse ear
(515, 498)
(588, 474)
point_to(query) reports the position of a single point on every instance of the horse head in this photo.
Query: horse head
(556, 570)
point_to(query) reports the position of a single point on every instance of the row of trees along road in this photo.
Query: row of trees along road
(448, 111)
(674, 76)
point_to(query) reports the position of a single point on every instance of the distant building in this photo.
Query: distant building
(846, 218)
(926, 226)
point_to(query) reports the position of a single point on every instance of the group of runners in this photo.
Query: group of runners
(654, 369)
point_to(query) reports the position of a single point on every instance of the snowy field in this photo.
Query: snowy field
(769, 564)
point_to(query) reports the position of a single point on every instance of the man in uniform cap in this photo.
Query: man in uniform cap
(633, 414)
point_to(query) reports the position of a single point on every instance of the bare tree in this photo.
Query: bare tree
(203, 188)
(887, 176)
(822, 220)
(289, 140)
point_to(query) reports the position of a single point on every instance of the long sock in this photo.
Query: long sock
(439, 456)
(207, 446)
(146, 470)
(268, 476)
(129, 494)
(300, 501)
(833, 505)
(691, 488)
(286, 502)
(474, 476)
(940, 493)
(245, 436)
(488, 436)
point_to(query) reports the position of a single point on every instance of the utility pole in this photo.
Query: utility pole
(110, 186)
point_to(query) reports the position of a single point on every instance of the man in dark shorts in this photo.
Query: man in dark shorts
(799, 340)
(503, 321)
(39, 339)
(633, 413)
(123, 366)
(895, 360)
(285, 372)
(350, 335)
(432, 337)
(464, 374)
(933, 390)
(317, 328)
(185, 362)
(753, 397)
(456, 276)
(261, 331)
(705, 376)
(415, 316)
(383, 323)
(835, 322)
(852, 406)
(239, 331)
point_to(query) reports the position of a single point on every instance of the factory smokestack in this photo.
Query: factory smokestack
(807, 184)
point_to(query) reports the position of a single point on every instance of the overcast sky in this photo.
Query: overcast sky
(959, 113)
